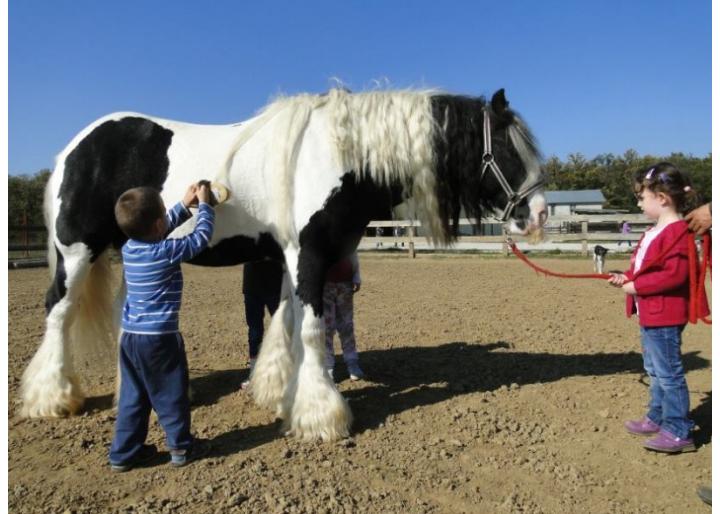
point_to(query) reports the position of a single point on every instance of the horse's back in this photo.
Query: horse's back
(111, 155)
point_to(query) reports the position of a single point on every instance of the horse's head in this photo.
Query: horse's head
(510, 153)
(491, 164)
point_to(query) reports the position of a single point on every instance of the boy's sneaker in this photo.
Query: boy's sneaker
(669, 443)
(179, 458)
(644, 426)
(356, 373)
(146, 453)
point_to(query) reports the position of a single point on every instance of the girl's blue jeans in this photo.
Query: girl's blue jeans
(669, 398)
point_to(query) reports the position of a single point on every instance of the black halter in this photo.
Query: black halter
(489, 162)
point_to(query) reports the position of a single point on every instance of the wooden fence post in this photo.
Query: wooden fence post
(26, 240)
(585, 238)
(411, 241)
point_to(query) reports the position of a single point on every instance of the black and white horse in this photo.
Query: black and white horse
(306, 176)
(599, 258)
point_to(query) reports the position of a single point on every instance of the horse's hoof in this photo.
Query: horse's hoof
(57, 398)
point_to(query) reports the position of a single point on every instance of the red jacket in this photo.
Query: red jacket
(663, 289)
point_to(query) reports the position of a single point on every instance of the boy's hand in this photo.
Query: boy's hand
(629, 287)
(617, 279)
(190, 197)
(203, 194)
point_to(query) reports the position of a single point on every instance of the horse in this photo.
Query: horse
(306, 175)
(599, 253)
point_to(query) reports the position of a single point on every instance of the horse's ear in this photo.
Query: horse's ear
(499, 103)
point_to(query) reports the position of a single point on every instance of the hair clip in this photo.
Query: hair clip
(687, 189)
(649, 174)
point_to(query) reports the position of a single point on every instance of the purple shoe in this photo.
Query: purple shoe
(643, 427)
(668, 443)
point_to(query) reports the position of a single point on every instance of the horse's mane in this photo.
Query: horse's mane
(386, 134)
(389, 135)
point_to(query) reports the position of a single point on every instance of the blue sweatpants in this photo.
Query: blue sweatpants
(154, 374)
(254, 314)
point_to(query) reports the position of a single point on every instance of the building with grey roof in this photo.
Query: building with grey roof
(567, 202)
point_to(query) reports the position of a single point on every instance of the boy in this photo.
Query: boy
(153, 365)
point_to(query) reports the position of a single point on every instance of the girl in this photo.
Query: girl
(342, 281)
(660, 298)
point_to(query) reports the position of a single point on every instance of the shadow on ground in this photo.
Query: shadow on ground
(401, 379)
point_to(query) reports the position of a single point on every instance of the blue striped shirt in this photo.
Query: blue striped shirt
(153, 276)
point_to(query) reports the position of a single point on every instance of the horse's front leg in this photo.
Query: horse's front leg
(312, 406)
(274, 365)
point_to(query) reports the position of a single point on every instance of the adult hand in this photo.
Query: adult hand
(700, 219)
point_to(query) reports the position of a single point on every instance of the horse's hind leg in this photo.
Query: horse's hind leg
(73, 311)
(49, 387)
(272, 370)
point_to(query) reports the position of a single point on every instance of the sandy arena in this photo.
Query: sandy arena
(489, 389)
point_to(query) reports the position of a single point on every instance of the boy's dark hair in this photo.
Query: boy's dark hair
(664, 177)
(137, 210)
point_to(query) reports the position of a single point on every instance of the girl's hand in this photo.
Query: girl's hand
(629, 287)
(617, 279)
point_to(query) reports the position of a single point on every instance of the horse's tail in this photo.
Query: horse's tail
(49, 217)
(92, 330)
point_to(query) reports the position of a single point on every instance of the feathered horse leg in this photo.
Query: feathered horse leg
(312, 406)
(78, 314)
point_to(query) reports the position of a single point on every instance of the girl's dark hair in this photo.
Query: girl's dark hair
(664, 177)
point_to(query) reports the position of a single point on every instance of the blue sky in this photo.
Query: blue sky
(589, 77)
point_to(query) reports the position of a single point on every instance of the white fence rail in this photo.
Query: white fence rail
(581, 229)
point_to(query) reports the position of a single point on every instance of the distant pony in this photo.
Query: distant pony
(599, 258)
(306, 176)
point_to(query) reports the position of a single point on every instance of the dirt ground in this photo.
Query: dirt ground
(489, 389)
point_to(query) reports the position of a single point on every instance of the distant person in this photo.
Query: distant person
(262, 281)
(378, 233)
(342, 281)
(660, 298)
(625, 229)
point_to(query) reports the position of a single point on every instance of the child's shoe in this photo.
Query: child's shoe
(179, 458)
(146, 453)
(356, 373)
(644, 426)
(668, 443)
(246, 383)
(705, 494)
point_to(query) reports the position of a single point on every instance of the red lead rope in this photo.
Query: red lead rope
(697, 280)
